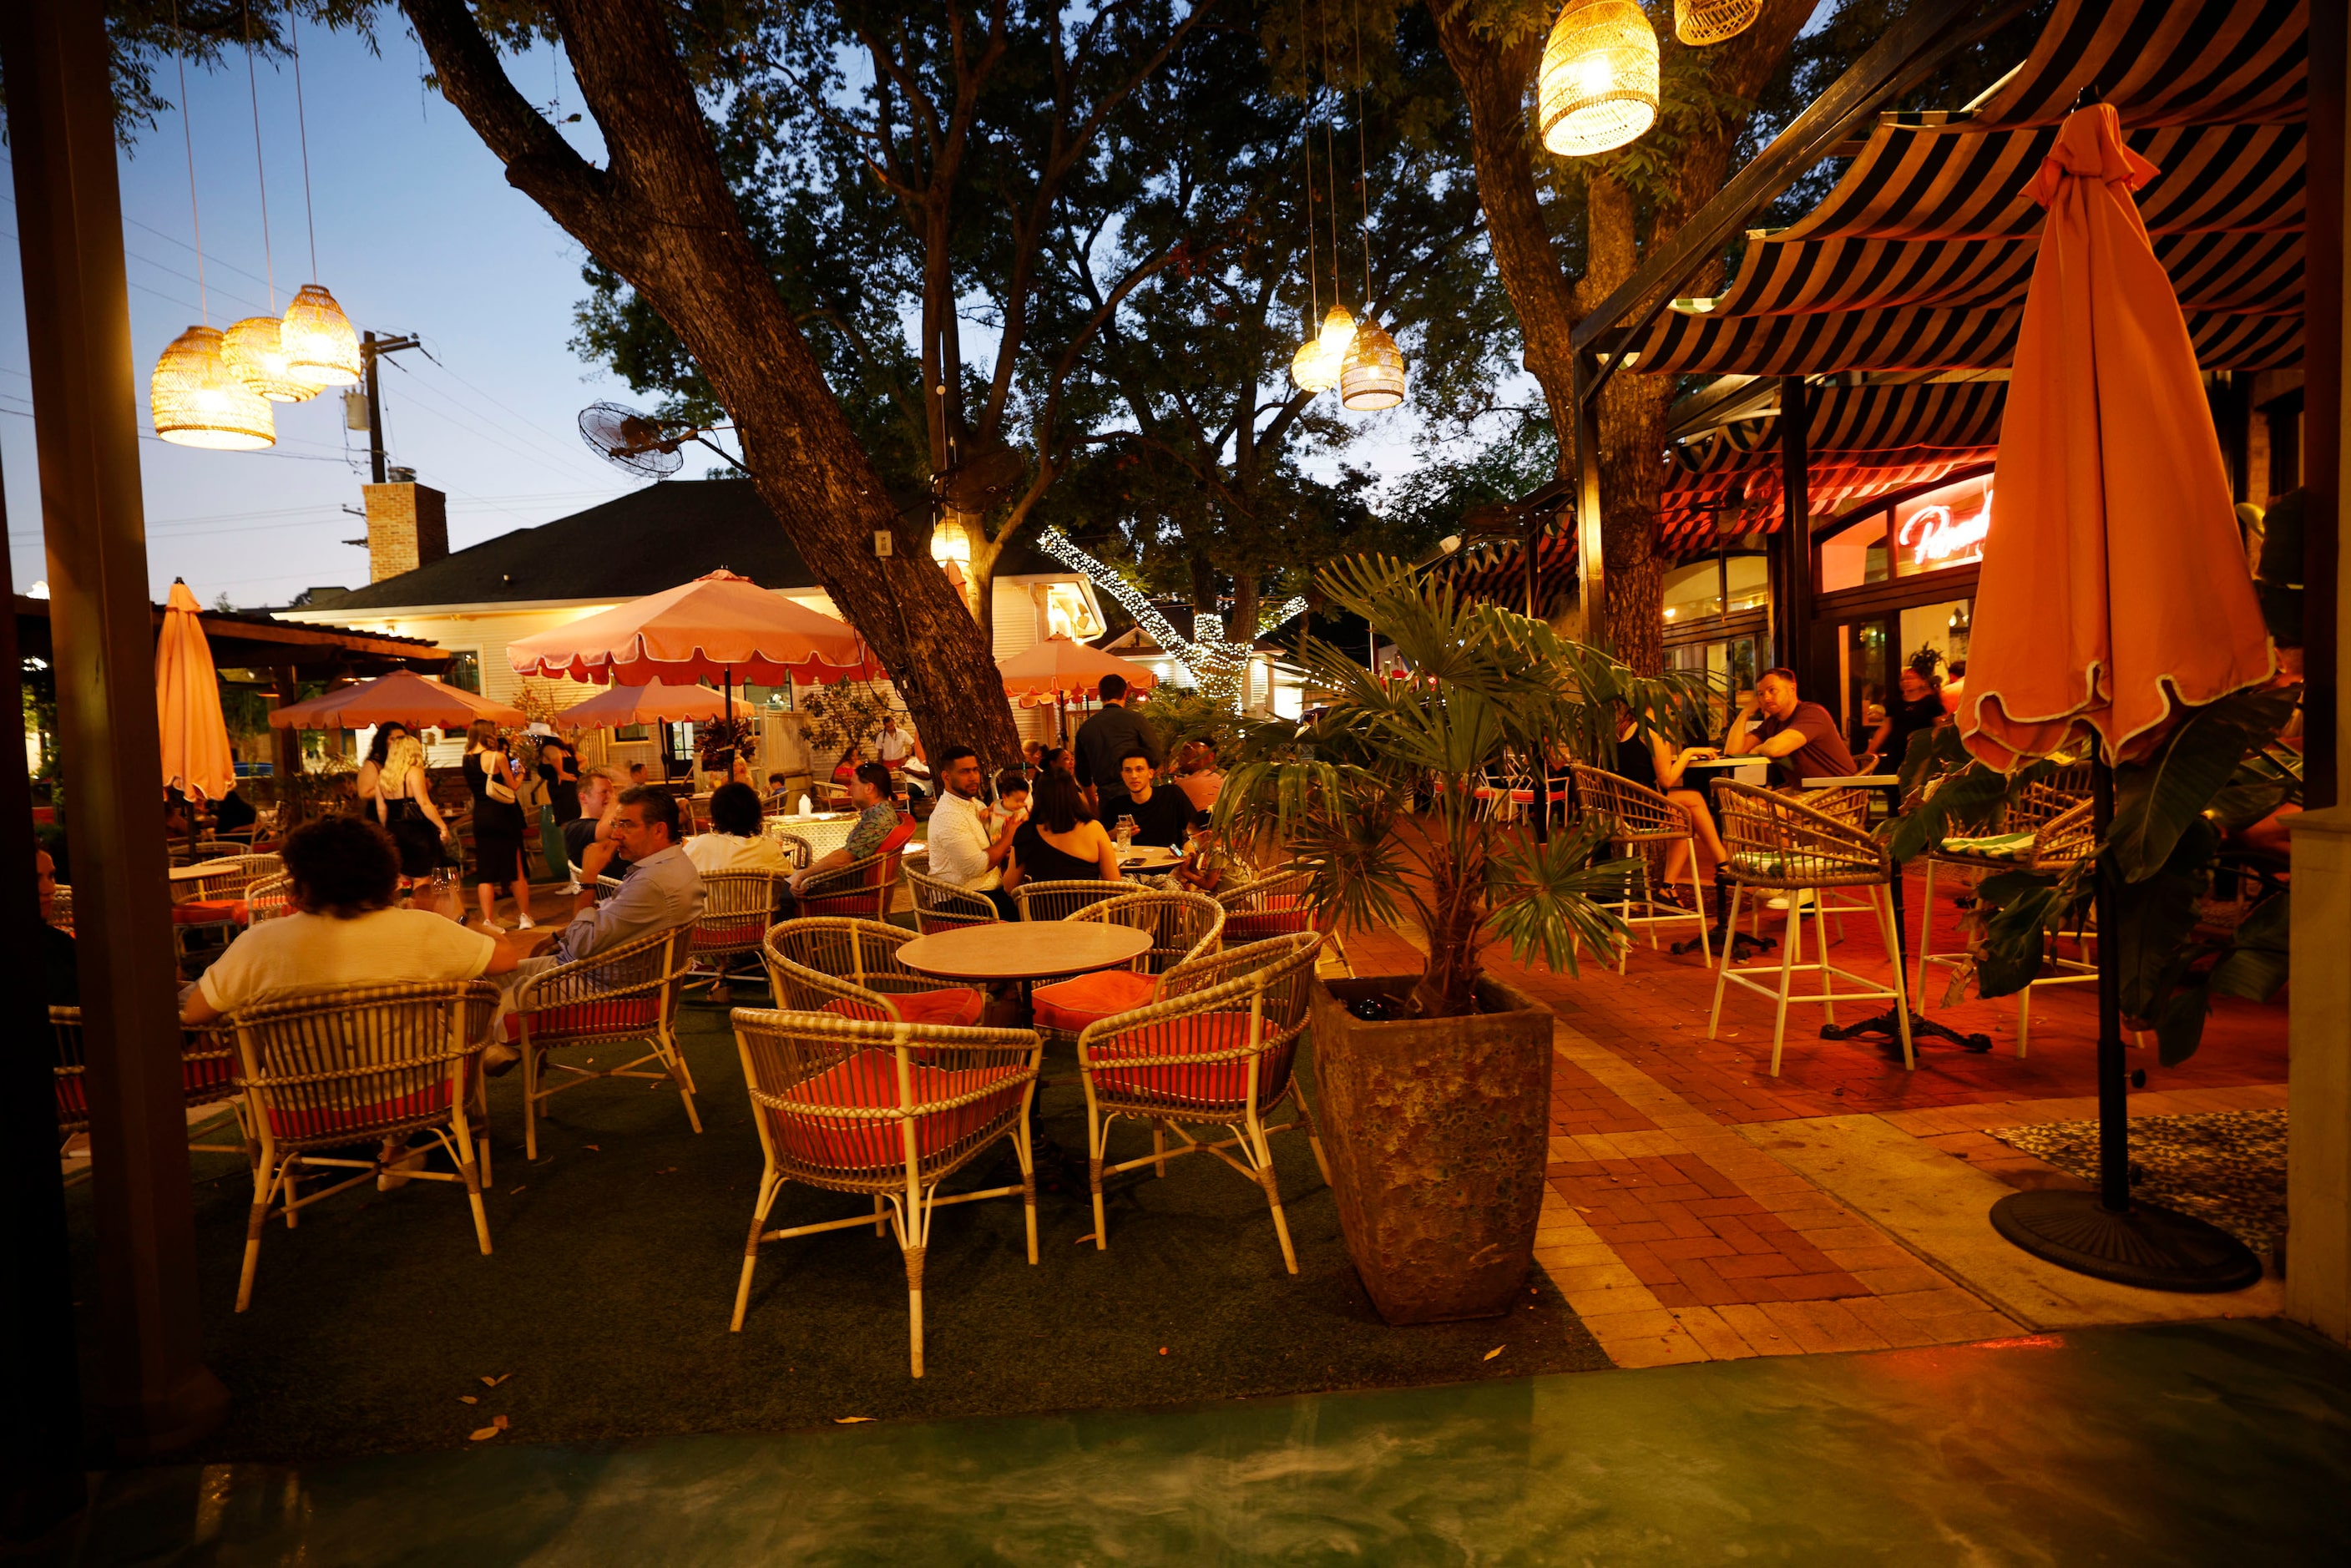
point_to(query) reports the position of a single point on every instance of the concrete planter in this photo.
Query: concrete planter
(1438, 1131)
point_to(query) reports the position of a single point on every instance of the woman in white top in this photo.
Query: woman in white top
(734, 841)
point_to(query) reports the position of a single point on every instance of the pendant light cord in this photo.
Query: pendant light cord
(302, 121)
(1330, 157)
(260, 170)
(1313, 277)
(1362, 157)
(188, 137)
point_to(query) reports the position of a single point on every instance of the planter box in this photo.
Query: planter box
(1438, 1131)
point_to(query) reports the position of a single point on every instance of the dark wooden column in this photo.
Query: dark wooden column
(154, 1392)
(2322, 461)
(1791, 611)
(286, 751)
(1590, 557)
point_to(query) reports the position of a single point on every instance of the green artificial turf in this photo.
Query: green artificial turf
(605, 1305)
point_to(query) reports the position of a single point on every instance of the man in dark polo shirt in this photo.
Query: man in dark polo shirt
(1800, 736)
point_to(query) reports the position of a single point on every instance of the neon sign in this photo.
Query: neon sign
(1935, 537)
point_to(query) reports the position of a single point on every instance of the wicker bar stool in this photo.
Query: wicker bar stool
(1641, 823)
(2047, 830)
(887, 1109)
(1778, 843)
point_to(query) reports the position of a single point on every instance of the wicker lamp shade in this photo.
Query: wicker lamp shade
(1699, 23)
(1313, 368)
(1374, 376)
(198, 401)
(1598, 87)
(319, 345)
(257, 357)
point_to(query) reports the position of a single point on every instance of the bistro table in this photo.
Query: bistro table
(1745, 770)
(1921, 1025)
(823, 832)
(1023, 950)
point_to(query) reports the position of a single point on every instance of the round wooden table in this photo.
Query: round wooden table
(1024, 950)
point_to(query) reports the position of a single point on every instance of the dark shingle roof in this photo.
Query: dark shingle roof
(642, 543)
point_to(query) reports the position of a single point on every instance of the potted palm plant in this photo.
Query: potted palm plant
(1436, 1087)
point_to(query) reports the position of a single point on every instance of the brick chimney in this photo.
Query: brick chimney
(407, 527)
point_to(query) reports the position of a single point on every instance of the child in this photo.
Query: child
(1012, 807)
(1203, 865)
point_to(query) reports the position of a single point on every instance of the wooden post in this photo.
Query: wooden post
(1591, 556)
(285, 752)
(154, 1392)
(1793, 613)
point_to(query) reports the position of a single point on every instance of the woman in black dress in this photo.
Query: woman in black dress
(1919, 707)
(404, 804)
(1060, 842)
(559, 769)
(499, 827)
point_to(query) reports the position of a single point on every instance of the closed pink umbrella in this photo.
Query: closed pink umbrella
(2114, 596)
(196, 753)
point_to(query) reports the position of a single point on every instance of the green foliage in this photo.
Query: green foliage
(1334, 794)
(1178, 716)
(2155, 801)
(840, 717)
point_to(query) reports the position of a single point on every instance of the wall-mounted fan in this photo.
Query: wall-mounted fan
(642, 444)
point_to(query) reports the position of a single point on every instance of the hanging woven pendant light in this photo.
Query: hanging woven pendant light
(320, 346)
(1372, 376)
(1313, 369)
(198, 401)
(1699, 23)
(255, 356)
(1598, 87)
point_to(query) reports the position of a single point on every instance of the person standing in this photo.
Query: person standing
(559, 770)
(404, 808)
(1918, 707)
(499, 825)
(898, 750)
(1108, 736)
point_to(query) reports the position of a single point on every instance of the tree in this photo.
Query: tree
(660, 216)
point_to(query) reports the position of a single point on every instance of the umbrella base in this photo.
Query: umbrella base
(2151, 1247)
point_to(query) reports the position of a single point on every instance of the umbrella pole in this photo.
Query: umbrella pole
(2104, 1234)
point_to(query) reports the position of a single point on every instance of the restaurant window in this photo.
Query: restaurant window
(1943, 529)
(1941, 629)
(630, 732)
(1747, 579)
(1854, 554)
(1694, 590)
(464, 670)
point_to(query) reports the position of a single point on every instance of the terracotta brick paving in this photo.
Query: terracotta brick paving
(1676, 1240)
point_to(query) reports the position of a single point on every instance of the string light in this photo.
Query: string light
(1214, 665)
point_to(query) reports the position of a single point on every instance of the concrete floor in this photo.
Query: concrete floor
(2196, 1443)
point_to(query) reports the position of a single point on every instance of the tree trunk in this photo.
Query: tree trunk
(662, 217)
(1495, 80)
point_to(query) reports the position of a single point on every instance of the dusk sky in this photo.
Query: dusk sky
(417, 233)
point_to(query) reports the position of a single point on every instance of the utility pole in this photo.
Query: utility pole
(372, 349)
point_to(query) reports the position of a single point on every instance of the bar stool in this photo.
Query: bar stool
(1777, 844)
(1642, 822)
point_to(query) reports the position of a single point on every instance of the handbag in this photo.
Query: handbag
(498, 790)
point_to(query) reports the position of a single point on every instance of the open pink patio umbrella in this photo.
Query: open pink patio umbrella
(401, 698)
(655, 702)
(721, 627)
(196, 753)
(1059, 669)
(2113, 597)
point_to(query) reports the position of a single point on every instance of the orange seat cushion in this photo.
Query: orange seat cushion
(958, 1005)
(1203, 1082)
(1283, 913)
(596, 1018)
(1070, 1005)
(870, 1080)
(734, 933)
(209, 912)
(310, 1121)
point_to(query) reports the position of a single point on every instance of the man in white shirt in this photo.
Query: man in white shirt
(962, 849)
(901, 754)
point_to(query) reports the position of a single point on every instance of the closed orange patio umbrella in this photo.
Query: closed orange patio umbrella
(401, 698)
(196, 753)
(2114, 596)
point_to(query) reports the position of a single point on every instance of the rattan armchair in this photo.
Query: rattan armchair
(207, 1075)
(1273, 904)
(862, 890)
(374, 1063)
(1641, 822)
(1061, 900)
(890, 1110)
(944, 906)
(1217, 1049)
(1778, 843)
(802, 853)
(1183, 926)
(268, 897)
(627, 996)
(738, 907)
(850, 969)
(2043, 829)
(185, 854)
